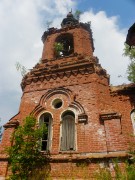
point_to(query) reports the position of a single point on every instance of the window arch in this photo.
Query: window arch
(64, 45)
(132, 114)
(46, 119)
(68, 131)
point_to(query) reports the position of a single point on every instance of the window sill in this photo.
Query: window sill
(68, 152)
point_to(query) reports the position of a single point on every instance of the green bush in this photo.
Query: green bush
(25, 158)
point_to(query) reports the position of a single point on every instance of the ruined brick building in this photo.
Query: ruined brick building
(88, 120)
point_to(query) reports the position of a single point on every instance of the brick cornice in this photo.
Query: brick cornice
(72, 156)
(11, 124)
(46, 71)
(109, 116)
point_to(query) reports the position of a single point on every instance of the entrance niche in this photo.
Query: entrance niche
(64, 45)
(46, 119)
(68, 131)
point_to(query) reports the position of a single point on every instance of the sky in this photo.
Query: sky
(22, 24)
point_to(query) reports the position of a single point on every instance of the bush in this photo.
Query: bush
(25, 158)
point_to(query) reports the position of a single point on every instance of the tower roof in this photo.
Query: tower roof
(69, 20)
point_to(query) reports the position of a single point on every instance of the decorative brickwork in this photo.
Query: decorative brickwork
(98, 114)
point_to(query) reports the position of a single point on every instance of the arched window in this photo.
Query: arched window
(46, 119)
(133, 119)
(64, 45)
(68, 131)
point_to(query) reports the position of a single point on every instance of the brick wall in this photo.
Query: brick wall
(83, 86)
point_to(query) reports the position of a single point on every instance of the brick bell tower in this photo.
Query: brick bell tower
(69, 91)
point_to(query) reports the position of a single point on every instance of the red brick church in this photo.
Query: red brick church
(88, 120)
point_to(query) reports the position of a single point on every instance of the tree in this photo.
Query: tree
(58, 47)
(130, 52)
(77, 14)
(21, 68)
(25, 157)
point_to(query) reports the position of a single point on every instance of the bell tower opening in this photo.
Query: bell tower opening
(64, 45)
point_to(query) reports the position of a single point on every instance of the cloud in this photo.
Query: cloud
(22, 25)
(109, 44)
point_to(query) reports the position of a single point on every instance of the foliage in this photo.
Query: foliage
(130, 52)
(103, 174)
(25, 158)
(77, 14)
(126, 173)
(58, 47)
(131, 71)
(21, 68)
(48, 23)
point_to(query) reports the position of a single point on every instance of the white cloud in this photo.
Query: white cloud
(22, 25)
(109, 43)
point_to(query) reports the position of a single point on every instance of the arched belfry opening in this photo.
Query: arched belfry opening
(64, 45)
(68, 131)
(46, 119)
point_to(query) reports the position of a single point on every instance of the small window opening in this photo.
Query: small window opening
(46, 138)
(64, 45)
(133, 120)
(57, 103)
(68, 132)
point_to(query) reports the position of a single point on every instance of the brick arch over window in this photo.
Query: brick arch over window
(68, 131)
(132, 115)
(73, 104)
(46, 119)
(65, 43)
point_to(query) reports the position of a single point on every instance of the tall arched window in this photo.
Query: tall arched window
(46, 119)
(68, 131)
(133, 119)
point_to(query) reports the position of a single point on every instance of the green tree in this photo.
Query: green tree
(25, 157)
(21, 68)
(58, 47)
(77, 14)
(130, 52)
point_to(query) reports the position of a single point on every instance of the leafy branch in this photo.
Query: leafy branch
(21, 68)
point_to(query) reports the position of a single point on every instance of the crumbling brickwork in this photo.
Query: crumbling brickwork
(101, 113)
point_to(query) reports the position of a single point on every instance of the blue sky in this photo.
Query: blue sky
(124, 9)
(23, 23)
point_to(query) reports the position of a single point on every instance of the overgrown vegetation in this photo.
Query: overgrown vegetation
(125, 173)
(130, 52)
(77, 14)
(58, 47)
(21, 68)
(25, 157)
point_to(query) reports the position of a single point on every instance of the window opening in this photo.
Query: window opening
(64, 45)
(133, 120)
(68, 132)
(46, 138)
(57, 103)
